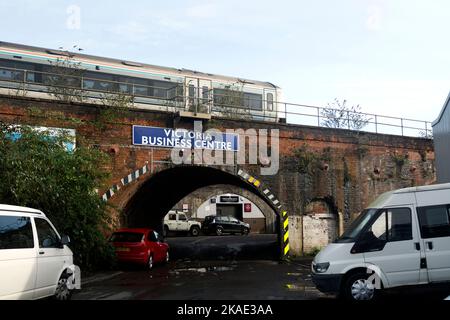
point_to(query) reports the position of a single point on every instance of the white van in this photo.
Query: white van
(401, 239)
(35, 261)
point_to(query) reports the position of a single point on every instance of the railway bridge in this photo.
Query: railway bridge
(322, 173)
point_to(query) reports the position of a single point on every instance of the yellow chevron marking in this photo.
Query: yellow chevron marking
(286, 249)
(286, 236)
(286, 223)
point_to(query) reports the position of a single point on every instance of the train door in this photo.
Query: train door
(269, 104)
(198, 95)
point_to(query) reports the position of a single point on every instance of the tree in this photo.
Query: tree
(339, 115)
(38, 171)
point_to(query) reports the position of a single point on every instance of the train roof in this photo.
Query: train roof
(179, 71)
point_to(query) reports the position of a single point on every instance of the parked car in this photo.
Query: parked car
(176, 221)
(35, 261)
(140, 245)
(224, 224)
(401, 239)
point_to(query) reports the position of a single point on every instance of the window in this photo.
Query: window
(152, 236)
(253, 101)
(15, 233)
(205, 94)
(234, 220)
(172, 217)
(225, 219)
(46, 234)
(270, 101)
(393, 225)
(399, 224)
(182, 217)
(126, 237)
(378, 227)
(434, 221)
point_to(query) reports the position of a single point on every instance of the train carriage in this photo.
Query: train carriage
(41, 72)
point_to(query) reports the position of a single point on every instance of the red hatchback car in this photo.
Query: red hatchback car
(140, 245)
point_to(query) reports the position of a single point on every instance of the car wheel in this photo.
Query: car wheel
(195, 231)
(245, 232)
(358, 288)
(219, 231)
(166, 231)
(150, 262)
(62, 291)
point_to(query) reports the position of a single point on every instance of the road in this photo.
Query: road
(194, 280)
(251, 247)
(225, 268)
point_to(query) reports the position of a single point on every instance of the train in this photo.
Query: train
(38, 72)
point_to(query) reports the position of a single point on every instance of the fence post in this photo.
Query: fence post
(401, 121)
(318, 116)
(24, 82)
(348, 119)
(376, 124)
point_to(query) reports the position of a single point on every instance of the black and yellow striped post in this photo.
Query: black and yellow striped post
(285, 234)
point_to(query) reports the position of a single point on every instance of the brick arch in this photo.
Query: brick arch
(241, 178)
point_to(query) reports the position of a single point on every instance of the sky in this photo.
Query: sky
(391, 57)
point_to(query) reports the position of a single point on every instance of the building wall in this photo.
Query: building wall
(441, 137)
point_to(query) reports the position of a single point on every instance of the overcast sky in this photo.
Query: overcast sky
(391, 57)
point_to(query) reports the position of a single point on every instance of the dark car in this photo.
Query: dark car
(224, 224)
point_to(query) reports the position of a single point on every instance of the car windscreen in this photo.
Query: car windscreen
(355, 229)
(127, 237)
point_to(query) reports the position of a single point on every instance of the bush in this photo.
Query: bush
(38, 171)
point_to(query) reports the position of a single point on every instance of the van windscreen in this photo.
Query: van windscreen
(353, 232)
(127, 237)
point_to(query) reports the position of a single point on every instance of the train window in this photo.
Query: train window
(191, 93)
(253, 101)
(270, 101)
(141, 87)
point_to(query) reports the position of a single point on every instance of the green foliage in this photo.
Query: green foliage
(115, 106)
(37, 171)
(305, 159)
(399, 159)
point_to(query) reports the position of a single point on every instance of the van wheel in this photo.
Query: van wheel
(62, 290)
(195, 231)
(166, 231)
(358, 288)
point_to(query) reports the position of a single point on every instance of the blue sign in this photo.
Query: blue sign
(182, 138)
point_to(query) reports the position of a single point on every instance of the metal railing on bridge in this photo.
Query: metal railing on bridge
(232, 104)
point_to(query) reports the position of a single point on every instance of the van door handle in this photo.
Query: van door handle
(417, 245)
(430, 245)
(41, 252)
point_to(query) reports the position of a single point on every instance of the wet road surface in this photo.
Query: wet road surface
(192, 280)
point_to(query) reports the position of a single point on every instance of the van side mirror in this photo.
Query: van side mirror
(65, 240)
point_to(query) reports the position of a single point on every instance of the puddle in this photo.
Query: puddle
(295, 287)
(205, 269)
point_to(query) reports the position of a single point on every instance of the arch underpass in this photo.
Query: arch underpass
(162, 190)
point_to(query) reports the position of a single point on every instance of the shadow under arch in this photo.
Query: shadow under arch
(161, 191)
